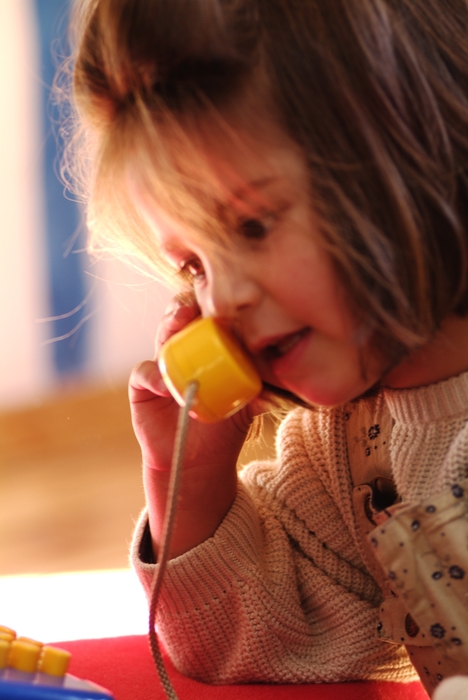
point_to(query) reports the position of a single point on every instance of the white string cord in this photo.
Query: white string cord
(169, 519)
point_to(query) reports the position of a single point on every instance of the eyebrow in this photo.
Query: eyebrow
(255, 185)
(241, 193)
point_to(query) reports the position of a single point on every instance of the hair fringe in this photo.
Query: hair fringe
(379, 107)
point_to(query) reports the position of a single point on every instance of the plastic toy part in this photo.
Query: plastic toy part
(4, 653)
(205, 352)
(24, 656)
(31, 671)
(54, 661)
(7, 630)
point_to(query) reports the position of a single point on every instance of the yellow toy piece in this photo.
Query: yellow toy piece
(29, 669)
(4, 653)
(24, 656)
(28, 640)
(29, 655)
(54, 661)
(205, 352)
(4, 636)
(7, 630)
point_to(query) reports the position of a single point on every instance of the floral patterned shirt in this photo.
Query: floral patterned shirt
(418, 551)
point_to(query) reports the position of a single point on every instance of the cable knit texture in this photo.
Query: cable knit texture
(281, 592)
(430, 437)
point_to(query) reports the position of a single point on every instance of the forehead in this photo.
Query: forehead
(214, 172)
(226, 160)
(243, 162)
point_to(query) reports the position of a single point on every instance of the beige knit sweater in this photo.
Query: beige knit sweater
(283, 591)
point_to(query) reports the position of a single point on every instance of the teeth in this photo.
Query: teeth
(288, 343)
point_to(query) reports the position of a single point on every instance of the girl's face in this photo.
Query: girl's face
(272, 282)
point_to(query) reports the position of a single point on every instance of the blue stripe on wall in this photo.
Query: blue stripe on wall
(65, 239)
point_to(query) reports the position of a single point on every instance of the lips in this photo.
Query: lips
(285, 344)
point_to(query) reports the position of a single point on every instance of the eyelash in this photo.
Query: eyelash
(251, 228)
(191, 270)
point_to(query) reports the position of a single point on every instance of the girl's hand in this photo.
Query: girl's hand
(155, 413)
(209, 483)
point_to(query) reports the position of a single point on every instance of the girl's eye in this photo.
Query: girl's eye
(255, 229)
(192, 269)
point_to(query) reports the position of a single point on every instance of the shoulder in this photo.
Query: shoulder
(311, 461)
(430, 437)
(457, 456)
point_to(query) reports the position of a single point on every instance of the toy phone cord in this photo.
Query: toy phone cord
(169, 518)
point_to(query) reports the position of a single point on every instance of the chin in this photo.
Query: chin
(332, 396)
(307, 399)
(284, 395)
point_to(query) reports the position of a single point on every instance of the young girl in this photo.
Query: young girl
(299, 169)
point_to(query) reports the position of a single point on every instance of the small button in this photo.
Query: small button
(411, 627)
(24, 656)
(28, 640)
(7, 630)
(4, 652)
(54, 661)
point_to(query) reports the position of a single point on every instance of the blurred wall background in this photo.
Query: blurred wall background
(65, 320)
(71, 331)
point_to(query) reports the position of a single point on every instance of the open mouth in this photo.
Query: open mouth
(286, 344)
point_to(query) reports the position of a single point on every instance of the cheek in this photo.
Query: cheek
(313, 296)
(301, 277)
(335, 373)
(204, 298)
(200, 298)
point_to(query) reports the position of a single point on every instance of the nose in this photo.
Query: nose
(230, 292)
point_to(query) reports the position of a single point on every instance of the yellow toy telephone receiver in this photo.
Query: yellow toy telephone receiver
(205, 352)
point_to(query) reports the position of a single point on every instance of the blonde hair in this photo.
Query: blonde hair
(374, 92)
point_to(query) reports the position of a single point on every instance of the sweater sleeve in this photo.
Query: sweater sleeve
(421, 544)
(266, 600)
(422, 549)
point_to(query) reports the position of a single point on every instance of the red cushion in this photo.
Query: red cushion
(124, 666)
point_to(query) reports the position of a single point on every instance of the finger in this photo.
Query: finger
(174, 322)
(185, 298)
(146, 382)
(181, 311)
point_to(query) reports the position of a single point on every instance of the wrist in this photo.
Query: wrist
(204, 498)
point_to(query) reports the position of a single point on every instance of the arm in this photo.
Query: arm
(210, 481)
(278, 593)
